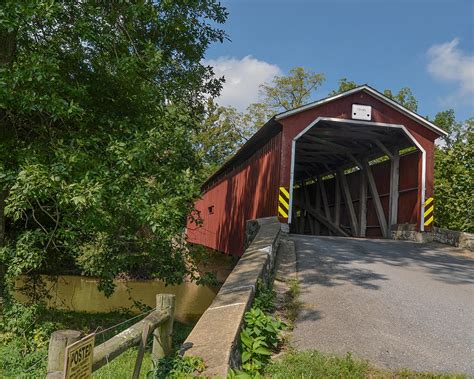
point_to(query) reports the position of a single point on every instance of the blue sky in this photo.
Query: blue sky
(427, 45)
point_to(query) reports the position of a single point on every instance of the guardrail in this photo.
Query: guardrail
(159, 322)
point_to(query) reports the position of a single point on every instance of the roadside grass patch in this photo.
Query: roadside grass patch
(315, 365)
(291, 304)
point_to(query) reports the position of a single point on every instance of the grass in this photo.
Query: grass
(292, 305)
(313, 364)
(26, 356)
(123, 365)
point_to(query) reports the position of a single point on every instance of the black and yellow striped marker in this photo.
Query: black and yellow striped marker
(283, 202)
(429, 207)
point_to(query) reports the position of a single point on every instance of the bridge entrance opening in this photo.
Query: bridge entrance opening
(345, 178)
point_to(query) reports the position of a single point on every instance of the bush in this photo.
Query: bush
(177, 367)
(259, 338)
(264, 297)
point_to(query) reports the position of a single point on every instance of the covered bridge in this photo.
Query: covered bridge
(355, 164)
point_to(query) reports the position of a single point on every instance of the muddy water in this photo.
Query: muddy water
(78, 293)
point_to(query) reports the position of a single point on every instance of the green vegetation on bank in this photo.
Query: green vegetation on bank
(25, 333)
(315, 365)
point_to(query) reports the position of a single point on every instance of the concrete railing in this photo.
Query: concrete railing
(216, 335)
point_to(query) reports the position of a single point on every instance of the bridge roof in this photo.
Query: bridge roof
(273, 127)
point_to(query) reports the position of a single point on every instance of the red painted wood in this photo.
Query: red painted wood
(249, 191)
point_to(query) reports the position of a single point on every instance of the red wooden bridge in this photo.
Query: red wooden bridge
(355, 164)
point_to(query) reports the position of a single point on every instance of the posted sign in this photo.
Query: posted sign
(79, 357)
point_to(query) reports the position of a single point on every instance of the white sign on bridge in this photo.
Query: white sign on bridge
(79, 357)
(361, 112)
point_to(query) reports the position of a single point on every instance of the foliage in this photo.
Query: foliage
(260, 336)
(404, 96)
(25, 332)
(222, 132)
(99, 105)
(292, 305)
(239, 374)
(344, 85)
(226, 129)
(313, 365)
(264, 297)
(177, 367)
(291, 91)
(454, 180)
(447, 121)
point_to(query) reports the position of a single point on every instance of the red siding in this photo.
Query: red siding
(249, 191)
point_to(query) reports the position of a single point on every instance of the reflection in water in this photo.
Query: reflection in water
(78, 293)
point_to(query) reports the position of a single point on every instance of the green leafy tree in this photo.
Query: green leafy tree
(219, 137)
(291, 91)
(447, 121)
(227, 127)
(344, 85)
(282, 94)
(99, 103)
(404, 96)
(454, 175)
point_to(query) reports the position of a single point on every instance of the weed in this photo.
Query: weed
(260, 337)
(292, 305)
(177, 367)
(264, 297)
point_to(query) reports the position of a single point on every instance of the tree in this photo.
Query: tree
(99, 103)
(447, 121)
(230, 129)
(292, 91)
(283, 94)
(454, 174)
(404, 96)
(344, 85)
(222, 132)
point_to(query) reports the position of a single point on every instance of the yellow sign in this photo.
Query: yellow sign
(283, 204)
(429, 207)
(79, 358)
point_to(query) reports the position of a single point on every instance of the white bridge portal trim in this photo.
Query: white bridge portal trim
(366, 123)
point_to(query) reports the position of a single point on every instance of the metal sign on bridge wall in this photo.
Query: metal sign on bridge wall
(79, 358)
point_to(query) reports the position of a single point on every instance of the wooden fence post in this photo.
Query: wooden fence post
(162, 336)
(60, 339)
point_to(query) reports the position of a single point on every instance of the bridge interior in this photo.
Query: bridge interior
(346, 179)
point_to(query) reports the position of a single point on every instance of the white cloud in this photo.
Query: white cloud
(242, 79)
(449, 63)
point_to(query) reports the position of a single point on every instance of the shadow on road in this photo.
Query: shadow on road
(332, 261)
